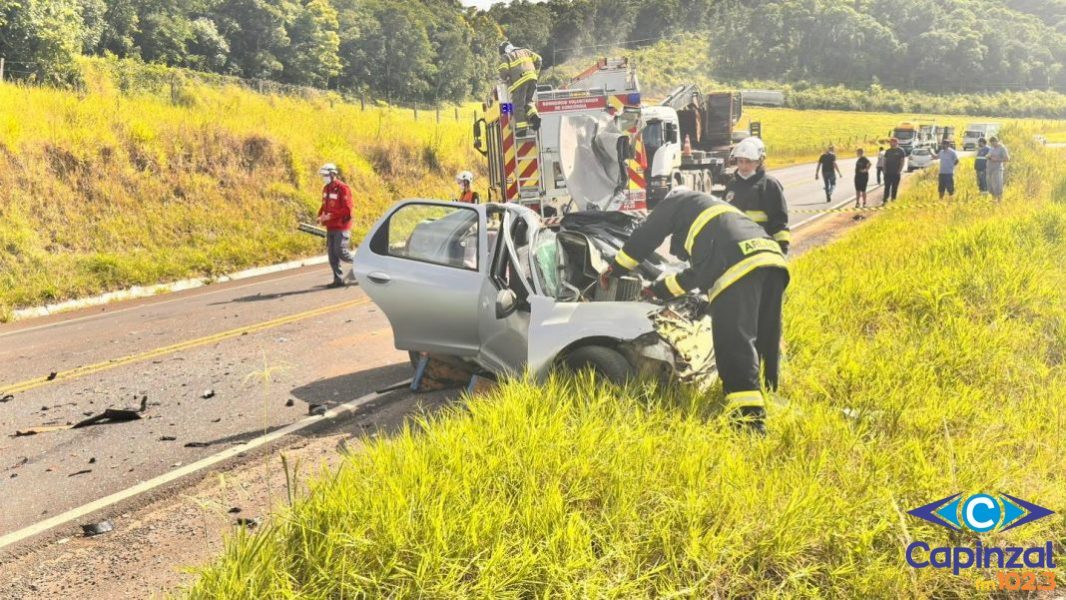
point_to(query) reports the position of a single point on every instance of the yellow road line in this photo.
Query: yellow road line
(186, 345)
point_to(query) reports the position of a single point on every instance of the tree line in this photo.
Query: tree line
(439, 50)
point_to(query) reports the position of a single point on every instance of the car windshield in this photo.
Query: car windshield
(904, 134)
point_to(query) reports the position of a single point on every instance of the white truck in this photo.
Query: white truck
(976, 131)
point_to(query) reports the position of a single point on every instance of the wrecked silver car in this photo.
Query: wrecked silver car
(491, 285)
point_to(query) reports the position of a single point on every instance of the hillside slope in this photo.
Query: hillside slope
(101, 190)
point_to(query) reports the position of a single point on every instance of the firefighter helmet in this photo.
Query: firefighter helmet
(750, 148)
(466, 176)
(505, 47)
(328, 169)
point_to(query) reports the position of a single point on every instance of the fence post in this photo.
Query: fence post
(362, 102)
(438, 114)
(416, 113)
(1, 68)
(456, 113)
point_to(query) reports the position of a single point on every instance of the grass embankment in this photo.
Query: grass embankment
(103, 190)
(944, 330)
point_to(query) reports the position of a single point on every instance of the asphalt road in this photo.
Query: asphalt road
(253, 344)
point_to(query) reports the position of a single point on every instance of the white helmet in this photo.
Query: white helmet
(328, 169)
(750, 148)
(466, 176)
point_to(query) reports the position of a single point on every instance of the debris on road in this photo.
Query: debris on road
(234, 510)
(208, 394)
(197, 444)
(167, 438)
(316, 409)
(52, 376)
(289, 403)
(81, 472)
(250, 523)
(110, 415)
(92, 460)
(7, 398)
(97, 528)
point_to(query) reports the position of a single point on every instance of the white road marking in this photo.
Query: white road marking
(145, 486)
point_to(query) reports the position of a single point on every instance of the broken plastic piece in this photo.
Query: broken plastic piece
(7, 398)
(250, 523)
(197, 444)
(52, 376)
(81, 472)
(97, 528)
(289, 403)
(167, 438)
(316, 409)
(208, 394)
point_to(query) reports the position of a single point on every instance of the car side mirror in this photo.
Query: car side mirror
(506, 303)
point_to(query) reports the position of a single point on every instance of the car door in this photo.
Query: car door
(423, 264)
(504, 337)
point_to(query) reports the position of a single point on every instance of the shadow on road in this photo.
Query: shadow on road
(262, 297)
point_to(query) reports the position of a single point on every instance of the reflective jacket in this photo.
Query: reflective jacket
(519, 67)
(469, 197)
(762, 198)
(720, 243)
(337, 203)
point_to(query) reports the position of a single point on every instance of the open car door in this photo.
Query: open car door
(424, 264)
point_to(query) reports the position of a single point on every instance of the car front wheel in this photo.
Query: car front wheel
(605, 362)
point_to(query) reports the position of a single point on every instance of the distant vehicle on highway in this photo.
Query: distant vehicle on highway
(920, 158)
(763, 97)
(976, 131)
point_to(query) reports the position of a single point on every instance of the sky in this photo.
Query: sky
(482, 4)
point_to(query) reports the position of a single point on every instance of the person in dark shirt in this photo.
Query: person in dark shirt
(980, 164)
(895, 157)
(829, 169)
(862, 177)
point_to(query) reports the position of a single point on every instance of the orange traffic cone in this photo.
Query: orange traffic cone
(686, 149)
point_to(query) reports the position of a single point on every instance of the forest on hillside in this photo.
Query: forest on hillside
(439, 50)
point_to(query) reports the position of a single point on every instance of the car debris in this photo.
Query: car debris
(7, 398)
(234, 510)
(110, 415)
(249, 522)
(290, 403)
(81, 472)
(52, 376)
(197, 444)
(167, 438)
(317, 409)
(100, 528)
(208, 394)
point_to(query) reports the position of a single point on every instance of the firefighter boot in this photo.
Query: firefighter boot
(749, 419)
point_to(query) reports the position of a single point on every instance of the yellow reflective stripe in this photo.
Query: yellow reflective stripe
(526, 78)
(701, 221)
(524, 59)
(783, 236)
(758, 216)
(625, 260)
(502, 66)
(742, 268)
(738, 400)
(674, 287)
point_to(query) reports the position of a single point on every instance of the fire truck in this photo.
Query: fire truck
(584, 156)
(599, 147)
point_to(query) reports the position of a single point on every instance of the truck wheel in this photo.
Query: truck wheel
(605, 362)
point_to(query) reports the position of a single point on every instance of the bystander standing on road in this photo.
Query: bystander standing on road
(895, 158)
(880, 163)
(949, 159)
(998, 157)
(980, 165)
(336, 216)
(862, 178)
(829, 170)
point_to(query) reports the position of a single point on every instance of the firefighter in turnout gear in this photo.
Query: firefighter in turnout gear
(520, 68)
(759, 195)
(466, 190)
(744, 274)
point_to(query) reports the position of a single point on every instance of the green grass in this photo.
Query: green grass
(948, 348)
(100, 189)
